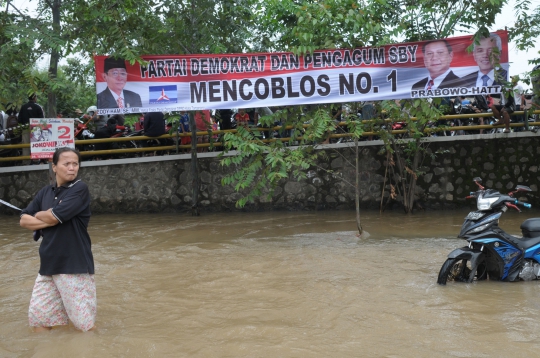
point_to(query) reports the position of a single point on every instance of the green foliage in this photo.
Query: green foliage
(428, 19)
(130, 28)
(78, 29)
(259, 166)
(310, 25)
(304, 26)
(526, 28)
(70, 93)
(405, 154)
(16, 54)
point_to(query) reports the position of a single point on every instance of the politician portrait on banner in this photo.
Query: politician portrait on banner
(438, 55)
(486, 54)
(424, 69)
(115, 95)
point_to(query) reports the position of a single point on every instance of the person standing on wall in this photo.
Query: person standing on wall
(242, 118)
(154, 126)
(224, 117)
(519, 97)
(94, 120)
(502, 111)
(184, 128)
(203, 123)
(29, 110)
(65, 289)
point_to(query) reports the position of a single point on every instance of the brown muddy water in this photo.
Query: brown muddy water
(274, 285)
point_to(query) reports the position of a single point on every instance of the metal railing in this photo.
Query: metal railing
(176, 147)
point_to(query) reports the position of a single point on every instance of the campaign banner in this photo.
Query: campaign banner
(436, 68)
(47, 134)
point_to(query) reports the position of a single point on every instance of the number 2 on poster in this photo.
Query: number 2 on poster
(63, 132)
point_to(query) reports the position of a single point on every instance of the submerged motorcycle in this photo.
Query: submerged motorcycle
(492, 253)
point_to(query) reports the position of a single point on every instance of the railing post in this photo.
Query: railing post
(177, 138)
(194, 171)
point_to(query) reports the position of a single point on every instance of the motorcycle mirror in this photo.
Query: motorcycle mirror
(523, 188)
(477, 180)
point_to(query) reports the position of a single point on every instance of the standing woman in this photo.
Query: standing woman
(65, 287)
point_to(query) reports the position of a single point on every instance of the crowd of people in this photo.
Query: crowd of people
(500, 107)
(155, 124)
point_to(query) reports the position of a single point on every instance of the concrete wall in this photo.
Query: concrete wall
(163, 184)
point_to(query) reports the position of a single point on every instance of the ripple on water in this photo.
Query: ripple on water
(278, 284)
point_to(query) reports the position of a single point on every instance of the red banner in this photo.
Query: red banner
(438, 68)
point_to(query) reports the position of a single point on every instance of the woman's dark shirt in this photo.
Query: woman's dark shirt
(66, 247)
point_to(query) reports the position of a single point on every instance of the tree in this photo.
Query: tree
(72, 88)
(525, 32)
(131, 28)
(526, 28)
(16, 53)
(405, 154)
(126, 29)
(304, 26)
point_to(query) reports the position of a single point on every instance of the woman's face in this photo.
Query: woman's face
(67, 168)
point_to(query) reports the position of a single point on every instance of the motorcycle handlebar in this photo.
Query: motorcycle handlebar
(527, 205)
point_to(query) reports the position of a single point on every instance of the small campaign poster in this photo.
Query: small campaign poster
(47, 134)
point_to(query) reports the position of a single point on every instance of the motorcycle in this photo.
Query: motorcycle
(82, 132)
(125, 131)
(16, 152)
(533, 118)
(493, 121)
(459, 108)
(492, 253)
(396, 126)
(151, 142)
(11, 135)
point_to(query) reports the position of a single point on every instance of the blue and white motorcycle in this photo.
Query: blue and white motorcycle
(492, 253)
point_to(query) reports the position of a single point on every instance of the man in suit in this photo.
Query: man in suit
(438, 55)
(484, 55)
(115, 96)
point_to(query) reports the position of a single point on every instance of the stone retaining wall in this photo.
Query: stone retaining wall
(163, 184)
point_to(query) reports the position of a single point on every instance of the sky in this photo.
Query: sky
(518, 59)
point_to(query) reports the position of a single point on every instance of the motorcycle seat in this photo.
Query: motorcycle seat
(530, 228)
(523, 243)
(529, 242)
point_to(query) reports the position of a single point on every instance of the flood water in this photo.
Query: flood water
(274, 285)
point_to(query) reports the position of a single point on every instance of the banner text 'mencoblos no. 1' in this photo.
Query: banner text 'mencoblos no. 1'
(436, 68)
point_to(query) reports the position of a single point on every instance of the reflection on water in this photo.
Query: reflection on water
(274, 285)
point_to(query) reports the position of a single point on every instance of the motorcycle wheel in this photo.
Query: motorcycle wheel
(128, 145)
(11, 153)
(459, 270)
